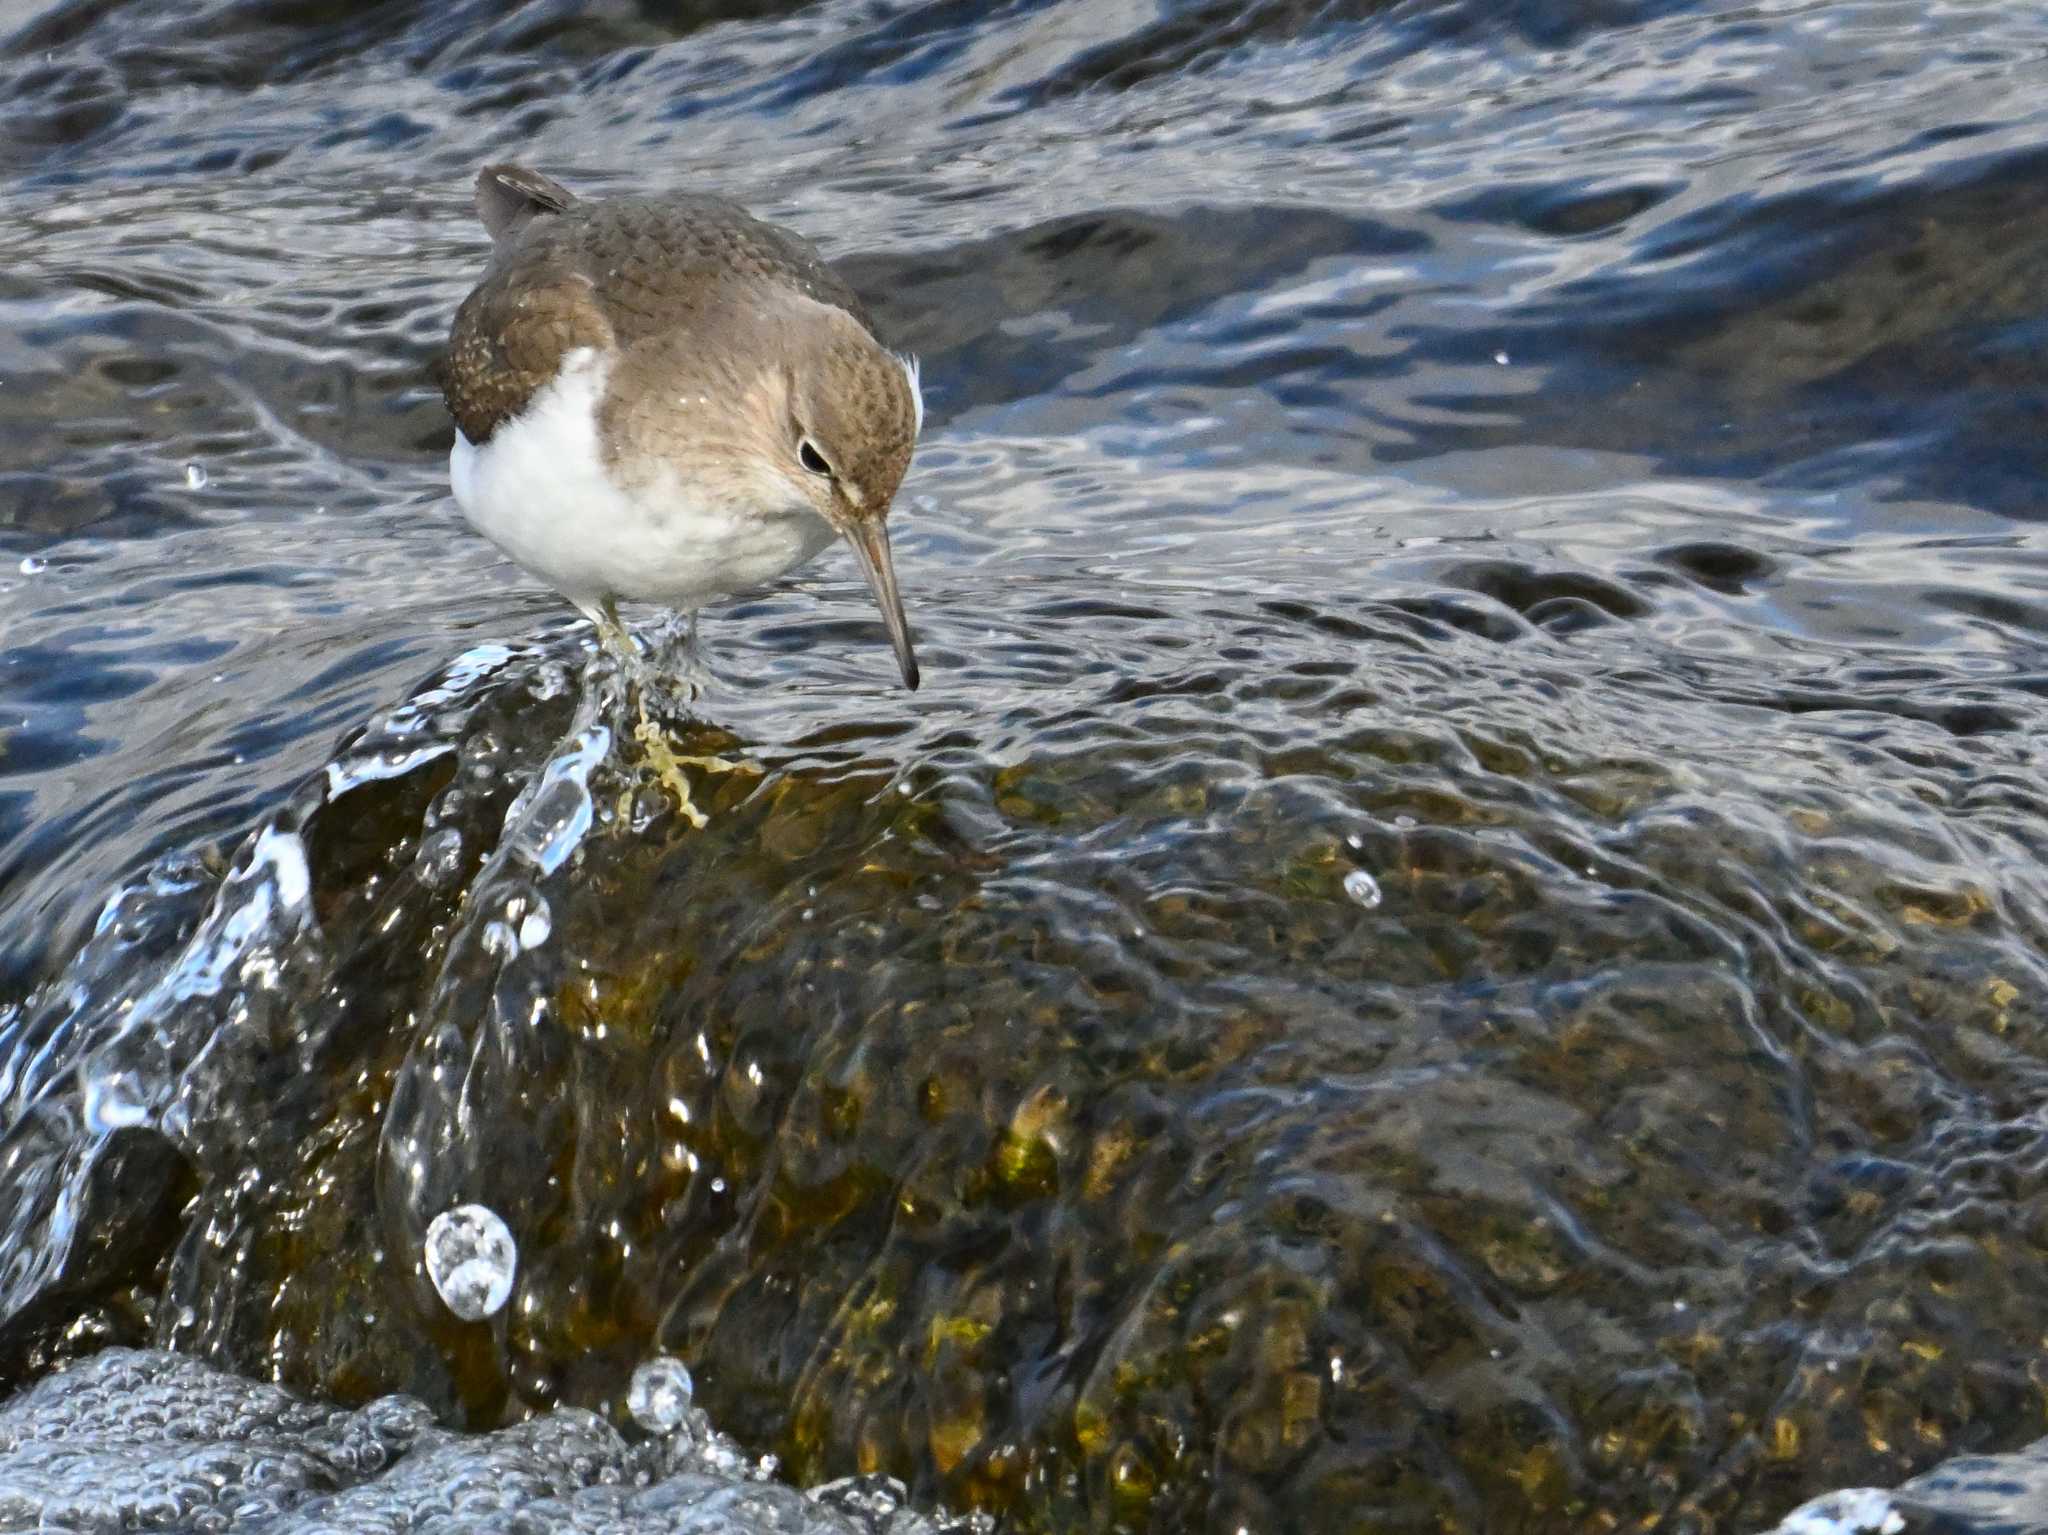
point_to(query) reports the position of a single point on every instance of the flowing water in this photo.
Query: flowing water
(1456, 939)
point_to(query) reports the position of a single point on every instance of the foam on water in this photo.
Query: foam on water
(131, 1439)
(1853, 1511)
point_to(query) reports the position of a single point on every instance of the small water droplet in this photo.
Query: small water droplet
(549, 680)
(1362, 888)
(1501, 358)
(659, 1397)
(195, 477)
(115, 1100)
(471, 1259)
(535, 926)
(31, 566)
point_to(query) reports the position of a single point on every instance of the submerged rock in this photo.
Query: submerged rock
(1061, 1132)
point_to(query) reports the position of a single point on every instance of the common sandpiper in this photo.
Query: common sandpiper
(665, 399)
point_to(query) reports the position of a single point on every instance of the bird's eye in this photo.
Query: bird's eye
(808, 455)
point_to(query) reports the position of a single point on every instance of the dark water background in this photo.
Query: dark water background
(1578, 464)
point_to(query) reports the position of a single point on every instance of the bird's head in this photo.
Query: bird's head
(847, 412)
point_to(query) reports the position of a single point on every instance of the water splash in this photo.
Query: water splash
(188, 978)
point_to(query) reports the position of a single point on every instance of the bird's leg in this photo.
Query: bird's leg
(696, 666)
(637, 676)
(640, 667)
(682, 677)
(612, 633)
(685, 662)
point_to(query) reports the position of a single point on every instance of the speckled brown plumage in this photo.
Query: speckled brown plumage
(568, 273)
(664, 399)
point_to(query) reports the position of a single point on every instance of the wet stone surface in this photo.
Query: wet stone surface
(1080, 1148)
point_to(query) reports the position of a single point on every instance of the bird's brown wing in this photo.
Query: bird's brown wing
(655, 256)
(511, 334)
(568, 273)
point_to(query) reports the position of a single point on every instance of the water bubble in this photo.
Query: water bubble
(873, 1496)
(535, 926)
(1501, 358)
(471, 1258)
(440, 856)
(659, 1397)
(31, 566)
(1362, 888)
(195, 477)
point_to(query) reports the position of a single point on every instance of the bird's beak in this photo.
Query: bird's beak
(870, 539)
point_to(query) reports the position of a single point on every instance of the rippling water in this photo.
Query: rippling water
(1456, 939)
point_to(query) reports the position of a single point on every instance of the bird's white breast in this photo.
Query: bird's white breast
(539, 489)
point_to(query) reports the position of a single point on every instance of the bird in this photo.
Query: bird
(665, 399)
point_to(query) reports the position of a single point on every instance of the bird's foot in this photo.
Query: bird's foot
(678, 661)
(668, 765)
(612, 634)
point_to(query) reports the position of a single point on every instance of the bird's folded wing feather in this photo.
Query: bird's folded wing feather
(568, 273)
(509, 339)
